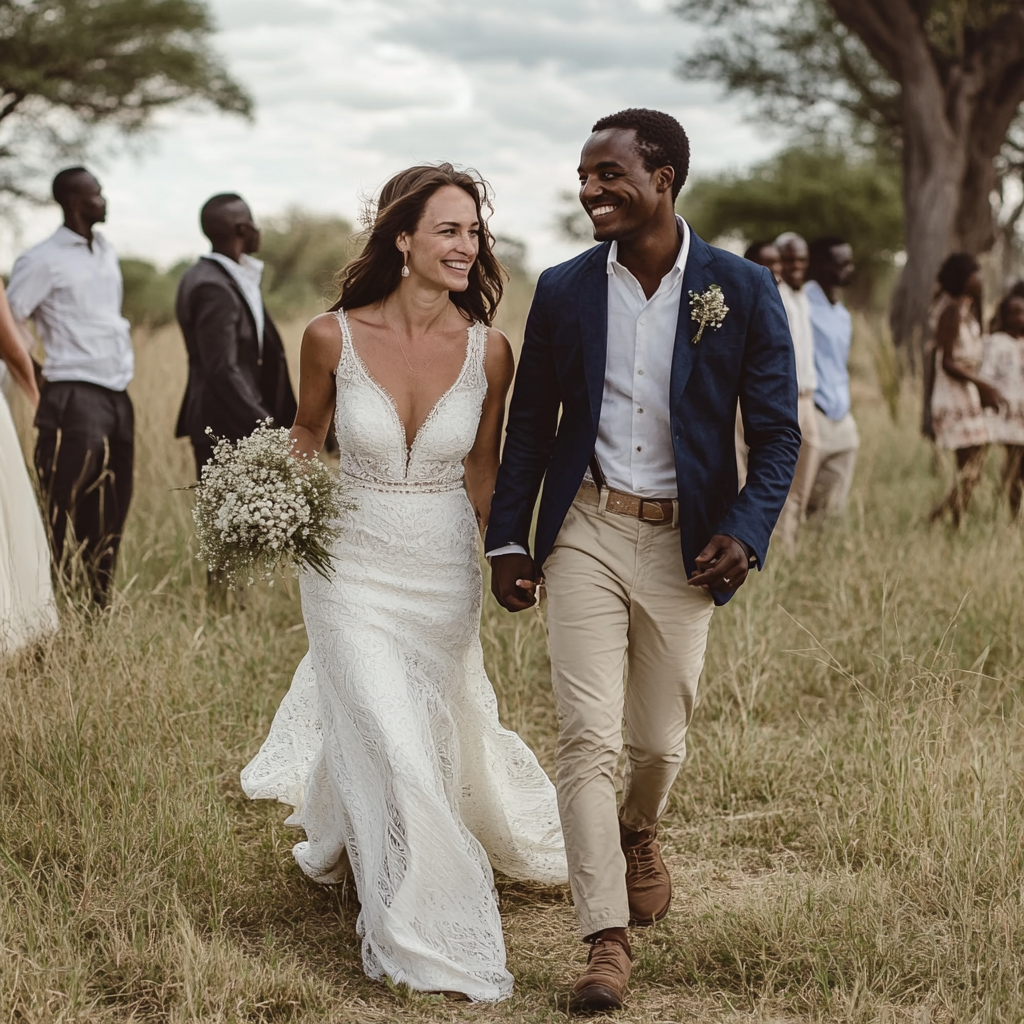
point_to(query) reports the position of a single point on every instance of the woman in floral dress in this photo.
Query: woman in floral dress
(1003, 364)
(960, 394)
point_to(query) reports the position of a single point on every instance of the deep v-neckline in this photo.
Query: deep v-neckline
(389, 399)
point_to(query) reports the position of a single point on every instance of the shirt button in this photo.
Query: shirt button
(640, 411)
(643, 321)
(639, 448)
(640, 373)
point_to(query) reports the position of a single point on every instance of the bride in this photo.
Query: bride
(27, 610)
(388, 743)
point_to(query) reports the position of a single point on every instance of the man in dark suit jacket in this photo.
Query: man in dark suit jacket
(237, 373)
(635, 356)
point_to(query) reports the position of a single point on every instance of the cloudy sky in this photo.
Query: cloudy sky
(349, 91)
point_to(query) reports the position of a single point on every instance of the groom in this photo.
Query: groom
(624, 405)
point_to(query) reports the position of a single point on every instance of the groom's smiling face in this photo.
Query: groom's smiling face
(621, 196)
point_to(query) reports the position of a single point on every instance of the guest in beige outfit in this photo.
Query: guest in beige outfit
(764, 253)
(635, 356)
(794, 253)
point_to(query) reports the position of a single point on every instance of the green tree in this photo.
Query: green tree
(941, 79)
(303, 253)
(71, 68)
(816, 191)
(149, 292)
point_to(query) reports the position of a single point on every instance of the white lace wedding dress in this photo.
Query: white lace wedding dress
(27, 610)
(388, 743)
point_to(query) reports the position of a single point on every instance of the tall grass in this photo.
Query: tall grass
(845, 838)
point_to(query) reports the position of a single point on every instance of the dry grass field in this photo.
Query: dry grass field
(846, 838)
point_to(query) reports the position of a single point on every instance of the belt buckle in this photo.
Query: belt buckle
(650, 517)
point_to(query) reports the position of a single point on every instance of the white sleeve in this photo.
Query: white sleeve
(31, 282)
(505, 549)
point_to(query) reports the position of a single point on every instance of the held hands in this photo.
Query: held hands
(722, 565)
(513, 582)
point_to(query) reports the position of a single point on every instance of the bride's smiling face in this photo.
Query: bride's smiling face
(446, 241)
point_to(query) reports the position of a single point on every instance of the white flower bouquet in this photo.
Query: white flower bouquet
(261, 509)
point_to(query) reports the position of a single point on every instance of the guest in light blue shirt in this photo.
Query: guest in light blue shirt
(831, 268)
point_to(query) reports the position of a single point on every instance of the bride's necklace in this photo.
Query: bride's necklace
(433, 359)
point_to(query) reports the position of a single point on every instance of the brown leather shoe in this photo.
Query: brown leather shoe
(601, 985)
(648, 883)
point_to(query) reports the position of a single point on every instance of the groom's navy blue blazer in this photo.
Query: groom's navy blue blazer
(562, 369)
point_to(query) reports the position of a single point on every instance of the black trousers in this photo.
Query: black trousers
(85, 456)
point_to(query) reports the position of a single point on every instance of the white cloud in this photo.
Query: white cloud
(348, 93)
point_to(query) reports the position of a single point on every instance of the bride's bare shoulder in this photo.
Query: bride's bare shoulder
(499, 363)
(323, 336)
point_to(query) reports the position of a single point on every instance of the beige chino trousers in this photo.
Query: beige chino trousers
(794, 512)
(617, 599)
(837, 457)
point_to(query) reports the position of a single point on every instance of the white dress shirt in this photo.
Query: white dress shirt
(798, 310)
(247, 273)
(73, 293)
(634, 434)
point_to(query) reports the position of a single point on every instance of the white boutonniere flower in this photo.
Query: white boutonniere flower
(708, 309)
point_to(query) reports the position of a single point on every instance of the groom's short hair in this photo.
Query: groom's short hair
(660, 140)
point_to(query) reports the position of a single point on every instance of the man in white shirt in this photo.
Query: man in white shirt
(70, 286)
(793, 250)
(635, 356)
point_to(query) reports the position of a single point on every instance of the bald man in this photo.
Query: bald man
(794, 256)
(237, 373)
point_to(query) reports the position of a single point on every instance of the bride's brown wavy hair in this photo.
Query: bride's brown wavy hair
(376, 272)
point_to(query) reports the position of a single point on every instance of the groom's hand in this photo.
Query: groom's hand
(512, 581)
(722, 565)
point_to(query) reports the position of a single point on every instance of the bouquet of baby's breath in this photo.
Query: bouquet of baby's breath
(261, 509)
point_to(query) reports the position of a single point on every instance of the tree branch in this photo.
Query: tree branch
(9, 106)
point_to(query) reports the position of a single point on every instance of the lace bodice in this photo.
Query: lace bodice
(370, 431)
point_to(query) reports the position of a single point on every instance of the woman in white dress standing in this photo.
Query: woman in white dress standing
(388, 743)
(27, 610)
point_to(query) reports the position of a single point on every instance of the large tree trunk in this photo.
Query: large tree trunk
(932, 175)
(957, 110)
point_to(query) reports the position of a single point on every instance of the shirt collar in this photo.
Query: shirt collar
(65, 236)
(248, 267)
(680, 264)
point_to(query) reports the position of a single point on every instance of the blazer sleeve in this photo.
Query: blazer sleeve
(768, 403)
(216, 337)
(530, 434)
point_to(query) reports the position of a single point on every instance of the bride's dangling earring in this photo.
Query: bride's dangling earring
(405, 263)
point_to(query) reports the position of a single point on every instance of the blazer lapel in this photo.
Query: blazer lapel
(696, 278)
(594, 326)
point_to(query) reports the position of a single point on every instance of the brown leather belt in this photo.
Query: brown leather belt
(657, 511)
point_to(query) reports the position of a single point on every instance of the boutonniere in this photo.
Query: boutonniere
(708, 309)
